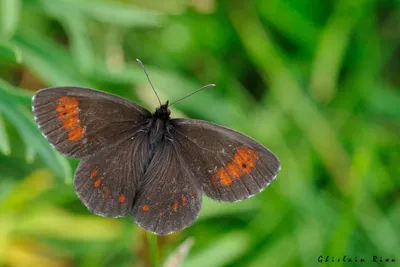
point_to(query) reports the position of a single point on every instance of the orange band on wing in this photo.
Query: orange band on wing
(243, 161)
(68, 111)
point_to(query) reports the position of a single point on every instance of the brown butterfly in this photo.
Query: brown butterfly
(147, 165)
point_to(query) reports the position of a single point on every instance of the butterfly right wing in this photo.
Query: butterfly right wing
(229, 165)
(80, 122)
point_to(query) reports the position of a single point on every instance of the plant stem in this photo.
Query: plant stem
(153, 249)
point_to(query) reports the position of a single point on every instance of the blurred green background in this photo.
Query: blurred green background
(315, 81)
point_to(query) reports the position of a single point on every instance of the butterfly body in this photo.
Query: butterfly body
(147, 165)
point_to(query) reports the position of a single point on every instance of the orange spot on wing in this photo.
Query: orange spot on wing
(121, 198)
(224, 177)
(146, 208)
(93, 173)
(184, 201)
(176, 205)
(97, 183)
(107, 194)
(234, 170)
(214, 179)
(243, 160)
(76, 134)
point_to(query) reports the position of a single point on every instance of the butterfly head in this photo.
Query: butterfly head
(163, 112)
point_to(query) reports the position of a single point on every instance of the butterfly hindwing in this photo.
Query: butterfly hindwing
(79, 121)
(107, 182)
(230, 166)
(170, 197)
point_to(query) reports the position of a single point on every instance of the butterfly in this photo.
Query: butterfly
(148, 165)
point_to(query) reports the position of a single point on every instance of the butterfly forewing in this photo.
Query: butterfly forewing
(229, 165)
(79, 122)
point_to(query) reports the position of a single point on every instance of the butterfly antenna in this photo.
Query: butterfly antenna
(148, 78)
(198, 90)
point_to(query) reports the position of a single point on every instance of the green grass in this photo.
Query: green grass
(315, 81)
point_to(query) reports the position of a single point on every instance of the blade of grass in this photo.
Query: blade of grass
(112, 12)
(4, 141)
(9, 17)
(293, 25)
(221, 252)
(49, 61)
(213, 209)
(75, 26)
(332, 47)
(9, 53)
(272, 255)
(52, 222)
(153, 244)
(7, 224)
(30, 154)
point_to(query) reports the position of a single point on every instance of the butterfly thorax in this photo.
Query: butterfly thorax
(162, 112)
(159, 124)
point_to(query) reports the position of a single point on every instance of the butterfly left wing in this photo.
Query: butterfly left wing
(229, 165)
(80, 122)
(169, 198)
(107, 182)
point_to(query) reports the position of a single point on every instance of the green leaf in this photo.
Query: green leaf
(109, 12)
(221, 252)
(10, 53)
(383, 100)
(9, 17)
(330, 53)
(292, 24)
(30, 154)
(21, 117)
(74, 22)
(80, 44)
(212, 208)
(4, 142)
(48, 60)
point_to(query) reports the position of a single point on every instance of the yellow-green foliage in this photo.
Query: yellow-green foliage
(315, 81)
